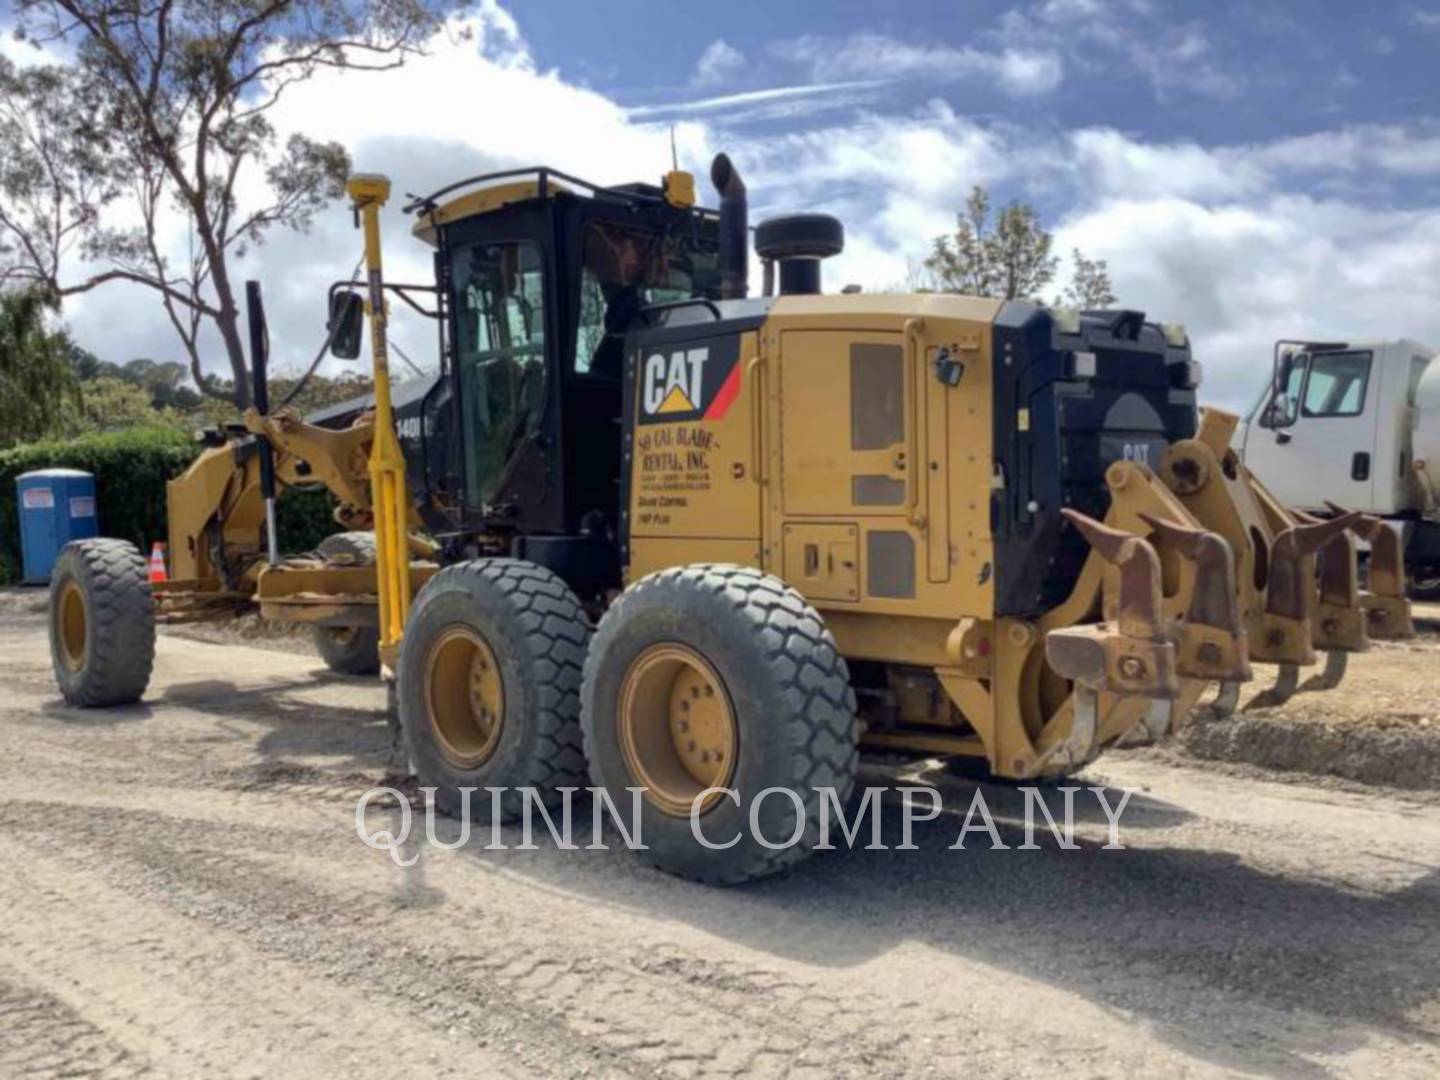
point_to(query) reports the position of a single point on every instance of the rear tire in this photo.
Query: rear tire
(501, 637)
(789, 703)
(102, 623)
(349, 650)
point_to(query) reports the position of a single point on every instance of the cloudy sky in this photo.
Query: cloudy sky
(1251, 169)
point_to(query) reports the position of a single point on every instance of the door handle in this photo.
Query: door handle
(1282, 437)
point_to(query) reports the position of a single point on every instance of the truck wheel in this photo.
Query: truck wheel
(489, 684)
(349, 650)
(716, 676)
(102, 623)
(1426, 585)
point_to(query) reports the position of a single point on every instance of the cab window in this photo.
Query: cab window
(1336, 384)
(1319, 385)
(624, 269)
(500, 339)
(1284, 406)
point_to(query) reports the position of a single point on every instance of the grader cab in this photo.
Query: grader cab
(646, 528)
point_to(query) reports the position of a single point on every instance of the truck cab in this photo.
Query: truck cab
(1335, 423)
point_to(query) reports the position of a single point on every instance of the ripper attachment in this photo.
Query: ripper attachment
(1290, 593)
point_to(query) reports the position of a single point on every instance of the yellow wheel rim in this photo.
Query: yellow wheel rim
(677, 728)
(343, 635)
(72, 625)
(464, 697)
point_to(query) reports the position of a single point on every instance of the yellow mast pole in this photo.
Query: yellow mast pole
(387, 464)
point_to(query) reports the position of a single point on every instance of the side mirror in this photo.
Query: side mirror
(346, 325)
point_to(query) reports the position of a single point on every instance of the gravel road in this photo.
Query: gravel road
(183, 894)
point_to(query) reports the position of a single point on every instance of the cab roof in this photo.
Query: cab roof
(491, 191)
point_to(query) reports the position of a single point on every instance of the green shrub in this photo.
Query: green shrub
(130, 469)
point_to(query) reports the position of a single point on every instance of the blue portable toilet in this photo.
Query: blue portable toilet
(56, 506)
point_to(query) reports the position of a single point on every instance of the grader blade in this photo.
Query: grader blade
(1129, 654)
(1386, 607)
(1289, 596)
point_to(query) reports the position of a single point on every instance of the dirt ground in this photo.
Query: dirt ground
(1380, 726)
(184, 894)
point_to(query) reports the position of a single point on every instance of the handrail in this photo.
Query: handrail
(754, 374)
(543, 174)
(671, 305)
(913, 330)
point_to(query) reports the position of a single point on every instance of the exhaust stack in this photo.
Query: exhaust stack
(734, 229)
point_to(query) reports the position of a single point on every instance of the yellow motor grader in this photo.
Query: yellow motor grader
(644, 527)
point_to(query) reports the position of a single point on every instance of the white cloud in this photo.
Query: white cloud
(1108, 163)
(520, 116)
(1245, 264)
(718, 64)
(1387, 149)
(1019, 71)
(1111, 164)
(895, 181)
(1068, 10)
(1175, 57)
(26, 53)
(746, 103)
(1234, 241)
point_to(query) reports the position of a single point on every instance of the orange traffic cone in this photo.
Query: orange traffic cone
(157, 563)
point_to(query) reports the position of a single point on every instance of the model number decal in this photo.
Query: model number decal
(1137, 452)
(411, 427)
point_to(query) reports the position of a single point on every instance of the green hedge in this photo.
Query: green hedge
(130, 469)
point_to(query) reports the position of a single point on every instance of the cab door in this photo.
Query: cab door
(1314, 441)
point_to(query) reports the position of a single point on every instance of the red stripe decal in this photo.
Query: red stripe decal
(726, 395)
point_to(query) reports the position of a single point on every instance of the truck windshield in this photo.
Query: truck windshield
(624, 269)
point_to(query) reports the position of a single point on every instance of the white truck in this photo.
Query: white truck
(1355, 424)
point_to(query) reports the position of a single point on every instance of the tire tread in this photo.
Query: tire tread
(822, 727)
(120, 623)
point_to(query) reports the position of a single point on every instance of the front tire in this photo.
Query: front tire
(102, 623)
(710, 676)
(349, 650)
(489, 683)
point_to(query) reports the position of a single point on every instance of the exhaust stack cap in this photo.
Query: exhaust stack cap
(798, 242)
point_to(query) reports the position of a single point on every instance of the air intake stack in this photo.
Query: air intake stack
(798, 242)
